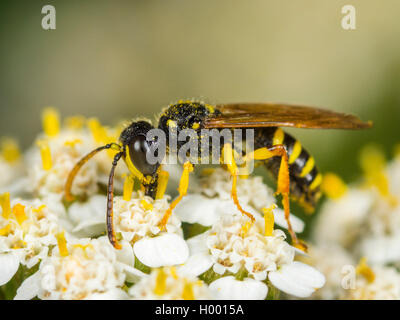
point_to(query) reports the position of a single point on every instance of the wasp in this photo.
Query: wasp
(283, 156)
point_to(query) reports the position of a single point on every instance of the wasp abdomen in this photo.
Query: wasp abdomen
(305, 178)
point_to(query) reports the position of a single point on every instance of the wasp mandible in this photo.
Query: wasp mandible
(292, 166)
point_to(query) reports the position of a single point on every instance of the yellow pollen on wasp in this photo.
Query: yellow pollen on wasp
(5, 231)
(5, 205)
(45, 153)
(62, 244)
(19, 212)
(187, 293)
(75, 122)
(333, 186)
(146, 205)
(128, 187)
(171, 123)
(72, 143)
(10, 150)
(51, 122)
(364, 270)
(269, 220)
(161, 283)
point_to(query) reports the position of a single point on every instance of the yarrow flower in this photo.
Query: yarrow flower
(137, 221)
(58, 149)
(365, 218)
(361, 222)
(383, 283)
(169, 284)
(27, 230)
(234, 246)
(84, 269)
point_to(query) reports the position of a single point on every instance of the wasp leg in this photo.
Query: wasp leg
(110, 196)
(79, 165)
(182, 189)
(163, 177)
(229, 161)
(283, 181)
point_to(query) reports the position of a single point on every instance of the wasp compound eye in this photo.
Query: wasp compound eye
(138, 151)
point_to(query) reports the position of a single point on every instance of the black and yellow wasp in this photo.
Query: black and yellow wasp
(291, 165)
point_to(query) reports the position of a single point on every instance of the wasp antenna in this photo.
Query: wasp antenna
(78, 166)
(110, 196)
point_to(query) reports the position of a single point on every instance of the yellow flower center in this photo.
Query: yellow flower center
(269, 220)
(364, 270)
(45, 153)
(76, 122)
(10, 150)
(5, 205)
(161, 283)
(333, 186)
(62, 244)
(188, 293)
(51, 122)
(146, 205)
(19, 211)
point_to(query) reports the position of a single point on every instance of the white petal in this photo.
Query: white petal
(228, 288)
(132, 274)
(93, 209)
(297, 279)
(197, 264)
(113, 294)
(196, 208)
(164, 250)
(125, 255)
(89, 228)
(381, 250)
(198, 244)
(9, 264)
(29, 288)
(279, 217)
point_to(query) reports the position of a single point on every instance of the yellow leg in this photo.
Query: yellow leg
(163, 177)
(283, 181)
(229, 161)
(182, 189)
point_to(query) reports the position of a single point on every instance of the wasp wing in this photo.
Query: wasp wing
(242, 115)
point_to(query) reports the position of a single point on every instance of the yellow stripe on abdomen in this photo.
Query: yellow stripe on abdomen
(316, 182)
(307, 167)
(295, 152)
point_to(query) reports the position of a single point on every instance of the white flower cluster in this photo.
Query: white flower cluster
(361, 223)
(208, 249)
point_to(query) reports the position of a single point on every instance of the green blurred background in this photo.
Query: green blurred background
(121, 59)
